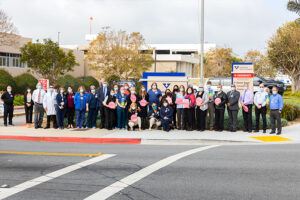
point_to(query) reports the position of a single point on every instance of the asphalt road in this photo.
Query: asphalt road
(224, 172)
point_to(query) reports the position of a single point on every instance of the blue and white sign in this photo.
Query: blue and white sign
(167, 85)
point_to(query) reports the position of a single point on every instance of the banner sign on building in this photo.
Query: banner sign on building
(45, 83)
(242, 75)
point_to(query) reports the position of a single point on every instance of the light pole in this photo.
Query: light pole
(202, 43)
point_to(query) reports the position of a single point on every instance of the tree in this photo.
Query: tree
(8, 30)
(47, 59)
(294, 6)
(284, 52)
(261, 63)
(118, 53)
(218, 62)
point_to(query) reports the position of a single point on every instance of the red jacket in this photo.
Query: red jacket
(192, 99)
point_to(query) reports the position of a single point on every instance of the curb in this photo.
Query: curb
(74, 139)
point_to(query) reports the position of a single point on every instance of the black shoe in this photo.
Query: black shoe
(47, 127)
(279, 133)
(272, 132)
(245, 130)
(264, 131)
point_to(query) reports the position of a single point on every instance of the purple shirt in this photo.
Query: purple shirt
(247, 97)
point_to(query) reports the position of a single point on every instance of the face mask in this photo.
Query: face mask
(93, 91)
(201, 89)
(122, 91)
(154, 107)
(81, 90)
(232, 88)
(126, 87)
(28, 90)
(165, 104)
(143, 89)
(181, 89)
(132, 92)
(112, 94)
(8, 89)
(154, 87)
(116, 88)
(261, 89)
(70, 90)
(50, 90)
(175, 89)
(274, 92)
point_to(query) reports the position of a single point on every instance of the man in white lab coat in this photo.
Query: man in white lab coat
(49, 106)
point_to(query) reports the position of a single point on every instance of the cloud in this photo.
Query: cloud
(239, 24)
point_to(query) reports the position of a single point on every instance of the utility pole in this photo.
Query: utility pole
(202, 43)
(91, 19)
(58, 37)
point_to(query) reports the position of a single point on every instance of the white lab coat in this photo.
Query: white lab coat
(49, 102)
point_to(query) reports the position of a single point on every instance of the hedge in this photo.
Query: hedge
(5, 80)
(25, 81)
(88, 81)
(68, 80)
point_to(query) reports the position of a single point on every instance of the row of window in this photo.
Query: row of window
(11, 61)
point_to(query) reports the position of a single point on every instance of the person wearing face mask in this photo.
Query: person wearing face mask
(175, 91)
(154, 94)
(220, 99)
(60, 107)
(116, 89)
(110, 110)
(28, 106)
(211, 105)
(246, 100)
(121, 109)
(49, 104)
(134, 118)
(103, 91)
(260, 102)
(38, 99)
(81, 106)
(70, 107)
(276, 106)
(201, 109)
(154, 117)
(166, 114)
(190, 110)
(8, 100)
(93, 109)
(180, 96)
(233, 97)
(126, 89)
(143, 101)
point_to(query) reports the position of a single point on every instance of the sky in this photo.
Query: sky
(239, 24)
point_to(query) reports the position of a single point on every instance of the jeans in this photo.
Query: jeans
(121, 117)
(80, 118)
(8, 113)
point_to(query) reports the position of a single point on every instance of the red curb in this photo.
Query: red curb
(74, 139)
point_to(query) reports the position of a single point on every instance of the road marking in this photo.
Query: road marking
(51, 153)
(131, 179)
(273, 138)
(42, 179)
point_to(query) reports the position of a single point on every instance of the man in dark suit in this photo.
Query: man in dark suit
(102, 93)
(233, 107)
(8, 102)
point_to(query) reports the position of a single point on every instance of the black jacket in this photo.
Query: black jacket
(8, 99)
(223, 98)
(25, 100)
(101, 95)
(233, 99)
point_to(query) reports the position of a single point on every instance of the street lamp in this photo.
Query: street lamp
(202, 43)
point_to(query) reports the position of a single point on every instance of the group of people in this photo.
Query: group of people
(124, 107)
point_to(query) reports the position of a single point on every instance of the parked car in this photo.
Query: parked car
(224, 81)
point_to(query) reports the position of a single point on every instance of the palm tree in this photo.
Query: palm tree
(294, 6)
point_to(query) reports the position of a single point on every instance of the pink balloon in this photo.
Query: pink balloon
(245, 108)
(199, 101)
(217, 101)
(178, 101)
(143, 102)
(134, 118)
(133, 98)
(111, 105)
(186, 103)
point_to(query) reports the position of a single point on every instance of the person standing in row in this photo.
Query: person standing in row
(60, 107)
(233, 108)
(246, 100)
(28, 106)
(70, 107)
(154, 94)
(49, 104)
(8, 100)
(175, 91)
(81, 106)
(93, 109)
(180, 110)
(190, 111)
(143, 102)
(121, 109)
(38, 99)
(276, 106)
(260, 101)
(102, 92)
(220, 99)
(201, 108)
(211, 106)
(110, 110)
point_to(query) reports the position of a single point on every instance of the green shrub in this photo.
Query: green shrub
(5, 80)
(88, 81)
(19, 100)
(68, 80)
(290, 112)
(25, 81)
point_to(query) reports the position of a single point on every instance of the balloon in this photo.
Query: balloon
(217, 101)
(186, 103)
(111, 105)
(245, 108)
(199, 101)
(178, 101)
(134, 118)
(143, 102)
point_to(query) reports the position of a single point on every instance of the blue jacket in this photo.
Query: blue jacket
(93, 101)
(154, 96)
(276, 102)
(166, 112)
(80, 101)
(61, 98)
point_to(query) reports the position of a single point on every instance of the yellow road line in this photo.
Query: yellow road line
(272, 138)
(33, 153)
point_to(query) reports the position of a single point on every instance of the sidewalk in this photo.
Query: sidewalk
(291, 134)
